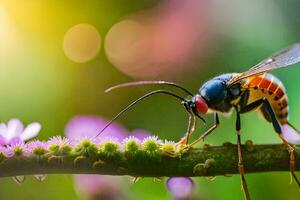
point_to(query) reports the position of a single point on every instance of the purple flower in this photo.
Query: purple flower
(94, 186)
(17, 149)
(59, 141)
(37, 147)
(13, 135)
(180, 187)
(14, 132)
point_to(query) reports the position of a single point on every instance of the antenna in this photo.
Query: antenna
(148, 83)
(137, 101)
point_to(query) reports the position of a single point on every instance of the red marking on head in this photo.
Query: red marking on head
(201, 105)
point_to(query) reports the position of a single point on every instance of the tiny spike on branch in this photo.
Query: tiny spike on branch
(149, 158)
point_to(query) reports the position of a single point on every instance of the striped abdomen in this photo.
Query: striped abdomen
(270, 87)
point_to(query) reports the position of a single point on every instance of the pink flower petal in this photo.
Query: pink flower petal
(14, 128)
(14, 140)
(31, 131)
(3, 129)
(290, 134)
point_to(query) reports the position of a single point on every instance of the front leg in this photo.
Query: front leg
(240, 157)
(186, 147)
(191, 128)
(210, 130)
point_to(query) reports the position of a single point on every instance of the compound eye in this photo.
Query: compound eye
(201, 105)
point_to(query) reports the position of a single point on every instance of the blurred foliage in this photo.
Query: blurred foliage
(38, 82)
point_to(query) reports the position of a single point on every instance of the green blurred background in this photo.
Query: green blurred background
(48, 77)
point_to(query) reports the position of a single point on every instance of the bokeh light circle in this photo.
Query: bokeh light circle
(82, 43)
(124, 46)
(163, 42)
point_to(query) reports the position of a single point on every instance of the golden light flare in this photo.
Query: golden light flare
(8, 38)
(82, 43)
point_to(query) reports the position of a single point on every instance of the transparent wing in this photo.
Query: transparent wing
(283, 58)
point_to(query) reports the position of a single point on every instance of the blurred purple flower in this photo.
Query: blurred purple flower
(95, 187)
(290, 134)
(98, 187)
(82, 126)
(180, 187)
(14, 132)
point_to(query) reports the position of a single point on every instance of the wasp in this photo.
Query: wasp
(240, 92)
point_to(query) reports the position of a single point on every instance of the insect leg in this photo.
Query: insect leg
(292, 159)
(277, 128)
(240, 158)
(251, 106)
(186, 137)
(289, 147)
(191, 128)
(210, 130)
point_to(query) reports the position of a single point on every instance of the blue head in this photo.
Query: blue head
(215, 92)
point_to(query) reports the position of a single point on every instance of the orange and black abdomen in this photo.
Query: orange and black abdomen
(270, 87)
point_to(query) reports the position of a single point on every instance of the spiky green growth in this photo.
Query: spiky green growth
(53, 148)
(39, 151)
(151, 146)
(132, 148)
(60, 150)
(86, 148)
(18, 151)
(109, 150)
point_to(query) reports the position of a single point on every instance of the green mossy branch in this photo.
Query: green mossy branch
(148, 159)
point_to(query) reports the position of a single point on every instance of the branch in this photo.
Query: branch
(148, 159)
